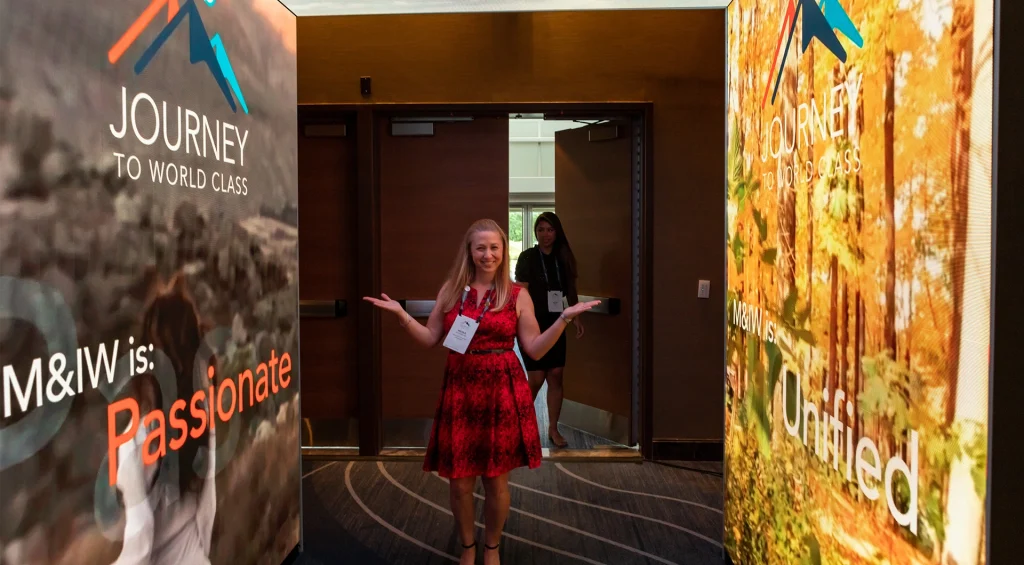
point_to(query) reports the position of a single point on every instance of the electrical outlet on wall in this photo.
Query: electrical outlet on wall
(703, 289)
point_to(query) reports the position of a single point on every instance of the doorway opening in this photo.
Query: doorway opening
(583, 170)
(585, 163)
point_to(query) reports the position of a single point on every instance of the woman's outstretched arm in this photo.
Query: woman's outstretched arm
(427, 335)
(536, 344)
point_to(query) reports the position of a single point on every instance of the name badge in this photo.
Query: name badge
(461, 334)
(555, 301)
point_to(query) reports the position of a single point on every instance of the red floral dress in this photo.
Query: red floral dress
(485, 424)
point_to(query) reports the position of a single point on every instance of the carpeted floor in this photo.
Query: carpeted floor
(386, 513)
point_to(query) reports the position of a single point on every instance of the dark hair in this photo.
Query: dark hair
(561, 247)
(171, 324)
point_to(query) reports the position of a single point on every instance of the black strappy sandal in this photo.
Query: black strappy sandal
(492, 548)
(470, 546)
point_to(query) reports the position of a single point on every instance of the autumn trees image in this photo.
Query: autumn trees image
(859, 196)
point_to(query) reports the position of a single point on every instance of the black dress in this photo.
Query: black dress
(531, 270)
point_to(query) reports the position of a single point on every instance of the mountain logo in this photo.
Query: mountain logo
(202, 48)
(820, 20)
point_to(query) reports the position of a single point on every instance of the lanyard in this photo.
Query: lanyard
(544, 267)
(487, 303)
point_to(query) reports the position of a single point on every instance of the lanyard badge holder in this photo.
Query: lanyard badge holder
(464, 328)
(556, 300)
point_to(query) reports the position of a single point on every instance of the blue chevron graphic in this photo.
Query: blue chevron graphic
(202, 49)
(820, 21)
(840, 21)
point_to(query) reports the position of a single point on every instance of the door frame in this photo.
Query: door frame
(339, 442)
(368, 199)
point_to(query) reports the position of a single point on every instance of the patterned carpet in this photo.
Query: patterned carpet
(379, 513)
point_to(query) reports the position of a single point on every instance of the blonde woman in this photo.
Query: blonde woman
(484, 425)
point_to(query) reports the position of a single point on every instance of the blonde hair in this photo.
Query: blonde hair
(464, 269)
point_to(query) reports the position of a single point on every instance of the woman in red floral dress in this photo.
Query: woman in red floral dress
(485, 424)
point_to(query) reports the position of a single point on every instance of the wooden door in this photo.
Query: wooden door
(432, 188)
(593, 199)
(327, 273)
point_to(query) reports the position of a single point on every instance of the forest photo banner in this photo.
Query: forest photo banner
(859, 280)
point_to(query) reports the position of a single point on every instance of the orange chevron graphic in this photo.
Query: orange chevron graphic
(135, 30)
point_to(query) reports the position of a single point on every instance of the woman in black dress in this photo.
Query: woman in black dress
(548, 272)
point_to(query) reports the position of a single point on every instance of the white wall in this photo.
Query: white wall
(531, 170)
(531, 154)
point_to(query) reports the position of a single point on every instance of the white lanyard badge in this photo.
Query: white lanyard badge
(556, 300)
(464, 328)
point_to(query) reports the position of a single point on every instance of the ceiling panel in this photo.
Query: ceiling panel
(354, 7)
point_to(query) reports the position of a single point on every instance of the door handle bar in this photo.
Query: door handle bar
(608, 306)
(336, 308)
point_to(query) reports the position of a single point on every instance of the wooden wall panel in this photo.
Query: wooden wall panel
(327, 271)
(431, 189)
(593, 191)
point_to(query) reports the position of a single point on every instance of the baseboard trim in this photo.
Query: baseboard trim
(595, 421)
(687, 450)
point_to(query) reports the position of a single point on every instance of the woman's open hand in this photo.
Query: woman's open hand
(385, 303)
(579, 308)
